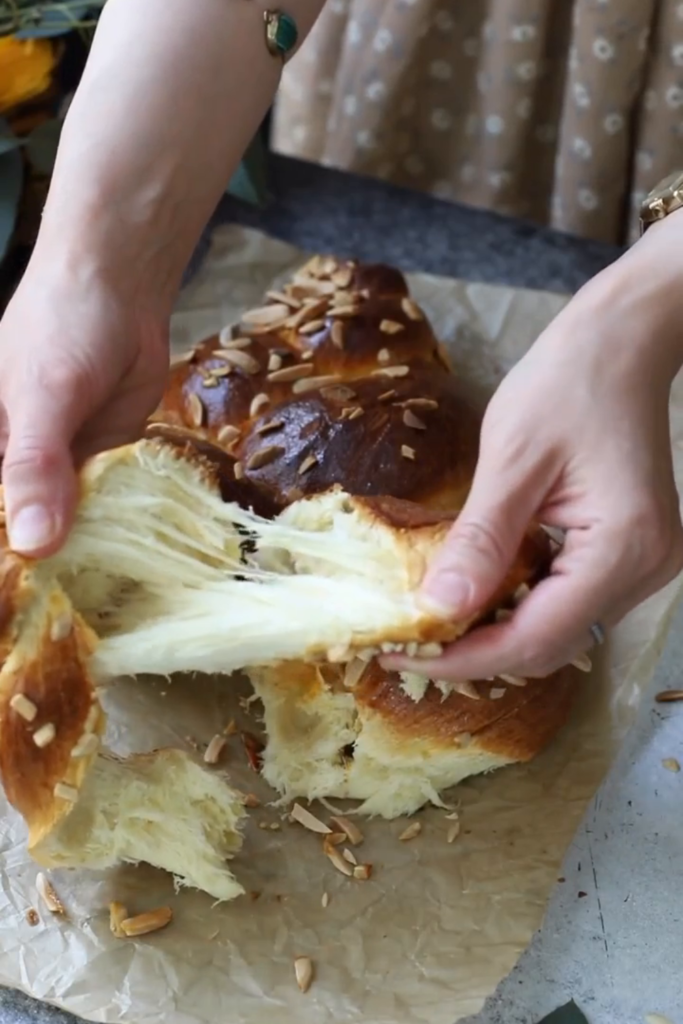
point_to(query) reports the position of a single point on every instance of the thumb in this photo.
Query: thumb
(483, 542)
(38, 474)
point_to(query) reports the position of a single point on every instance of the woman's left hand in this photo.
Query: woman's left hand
(576, 437)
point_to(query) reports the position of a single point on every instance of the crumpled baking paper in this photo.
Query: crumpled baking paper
(438, 925)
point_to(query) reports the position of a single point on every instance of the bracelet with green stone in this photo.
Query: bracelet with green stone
(281, 33)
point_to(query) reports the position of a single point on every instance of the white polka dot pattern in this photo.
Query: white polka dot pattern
(500, 104)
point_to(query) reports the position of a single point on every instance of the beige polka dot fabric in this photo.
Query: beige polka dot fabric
(562, 111)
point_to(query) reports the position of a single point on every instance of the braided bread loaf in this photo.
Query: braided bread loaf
(339, 380)
(280, 515)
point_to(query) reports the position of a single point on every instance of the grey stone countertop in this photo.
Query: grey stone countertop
(616, 951)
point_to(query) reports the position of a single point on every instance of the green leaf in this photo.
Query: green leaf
(41, 146)
(569, 1014)
(249, 180)
(11, 184)
(55, 21)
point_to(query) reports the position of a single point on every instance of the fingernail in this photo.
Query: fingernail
(446, 593)
(31, 529)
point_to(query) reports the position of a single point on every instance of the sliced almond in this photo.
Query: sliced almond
(228, 434)
(391, 327)
(337, 334)
(425, 404)
(231, 728)
(413, 421)
(384, 355)
(336, 839)
(312, 327)
(117, 915)
(349, 828)
(355, 413)
(303, 971)
(65, 792)
(266, 316)
(195, 409)
(24, 707)
(309, 821)
(671, 764)
(582, 662)
(264, 456)
(258, 402)
(228, 343)
(392, 371)
(270, 427)
(143, 924)
(453, 832)
(353, 673)
(325, 900)
(411, 832)
(407, 452)
(337, 860)
(465, 688)
(309, 311)
(215, 748)
(343, 277)
(669, 696)
(411, 309)
(343, 311)
(48, 895)
(285, 300)
(60, 627)
(252, 801)
(513, 680)
(209, 382)
(220, 371)
(362, 872)
(497, 692)
(290, 373)
(238, 470)
(521, 593)
(504, 614)
(274, 362)
(240, 360)
(350, 856)
(300, 387)
(309, 462)
(386, 396)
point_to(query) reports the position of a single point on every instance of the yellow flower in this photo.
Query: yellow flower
(25, 70)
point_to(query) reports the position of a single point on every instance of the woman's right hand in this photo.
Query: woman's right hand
(83, 362)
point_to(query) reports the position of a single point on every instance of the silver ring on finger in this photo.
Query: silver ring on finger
(598, 633)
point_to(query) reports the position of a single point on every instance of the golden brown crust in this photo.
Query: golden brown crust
(48, 703)
(514, 726)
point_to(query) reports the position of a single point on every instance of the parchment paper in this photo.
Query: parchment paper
(429, 937)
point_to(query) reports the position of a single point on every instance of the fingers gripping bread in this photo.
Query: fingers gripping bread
(279, 515)
(338, 379)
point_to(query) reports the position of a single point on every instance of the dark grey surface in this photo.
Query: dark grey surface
(323, 210)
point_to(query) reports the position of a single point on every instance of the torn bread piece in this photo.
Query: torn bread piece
(83, 806)
(340, 733)
(171, 577)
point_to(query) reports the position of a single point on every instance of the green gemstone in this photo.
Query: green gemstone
(283, 32)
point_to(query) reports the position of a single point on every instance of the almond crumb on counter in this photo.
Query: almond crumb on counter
(48, 895)
(349, 828)
(32, 917)
(118, 913)
(453, 832)
(144, 924)
(303, 970)
(411, 832)
(251, 800)
(671, 764)
(333, 854)
(213, 752)
(325, 901)
(308, 820)
(362, 872)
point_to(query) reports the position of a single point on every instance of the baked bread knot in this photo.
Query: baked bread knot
(338, 379)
